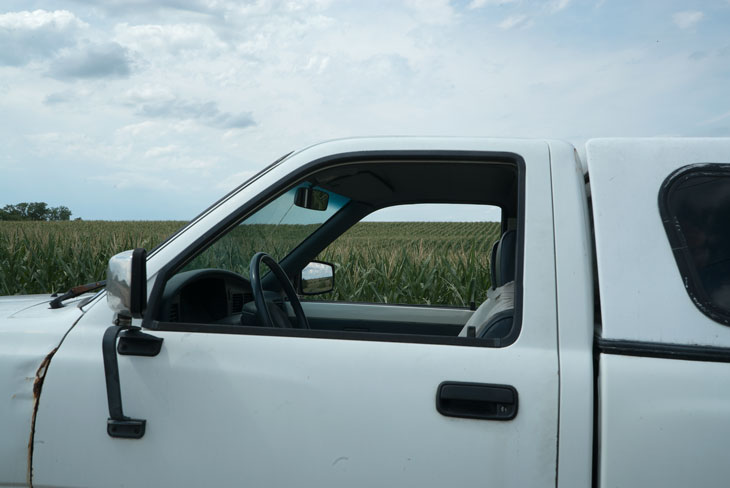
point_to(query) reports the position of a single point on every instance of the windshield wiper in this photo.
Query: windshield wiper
(76, 291)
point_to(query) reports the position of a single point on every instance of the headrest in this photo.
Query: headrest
(504, 264)
(493, 264)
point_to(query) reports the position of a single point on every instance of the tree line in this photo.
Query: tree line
(34, 211)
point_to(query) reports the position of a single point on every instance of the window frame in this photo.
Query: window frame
(680, 249)
(219, 229)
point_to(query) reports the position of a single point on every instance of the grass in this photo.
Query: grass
(386, 262)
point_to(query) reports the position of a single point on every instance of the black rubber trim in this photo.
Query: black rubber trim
(343, 335)
(149, 322)
(680, 249)
(384, 326)
(710, 354)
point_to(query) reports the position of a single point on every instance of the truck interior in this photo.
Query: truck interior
(215, 288)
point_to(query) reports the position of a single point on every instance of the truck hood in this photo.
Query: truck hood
(35, 305)
(13, 304)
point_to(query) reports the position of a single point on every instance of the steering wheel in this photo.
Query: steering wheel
(263, 313)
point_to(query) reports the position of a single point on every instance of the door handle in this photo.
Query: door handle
(476, 400)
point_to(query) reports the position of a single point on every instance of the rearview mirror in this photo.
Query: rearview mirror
(126, 283)
(311, 198)
(317, 277)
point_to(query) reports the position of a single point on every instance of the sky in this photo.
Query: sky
(152, 110)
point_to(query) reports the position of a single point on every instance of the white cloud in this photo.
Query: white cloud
(171, 38)
(158, 151)
(132, 131)
(515, 21)
(687, 19)
(474, 4)
(122, 7)
(716, 118)
(26, 36)
(303, 5)
(558, 5)
(432, 11)
(40, 19)
(74, 145)
(232, 181)
(135, 180)
(310, 70)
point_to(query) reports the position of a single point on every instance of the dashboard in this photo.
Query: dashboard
(205, 296)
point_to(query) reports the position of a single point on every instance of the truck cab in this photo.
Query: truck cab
(596, 356)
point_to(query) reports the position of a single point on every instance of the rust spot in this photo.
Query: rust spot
(40, 375)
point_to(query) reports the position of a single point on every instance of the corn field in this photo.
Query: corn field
(47, 257)
(382, 262)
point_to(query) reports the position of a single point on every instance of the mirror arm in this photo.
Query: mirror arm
(131, 342)
(118, 425)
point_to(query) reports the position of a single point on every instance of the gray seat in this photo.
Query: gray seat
(495, 316)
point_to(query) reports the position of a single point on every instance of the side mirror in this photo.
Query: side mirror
(311, 198)
(317, 277)
(126, 283)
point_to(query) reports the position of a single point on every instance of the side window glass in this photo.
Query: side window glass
(422, 254)
(695, 204)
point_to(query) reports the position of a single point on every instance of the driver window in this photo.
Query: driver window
(423, 254)
(276, 228)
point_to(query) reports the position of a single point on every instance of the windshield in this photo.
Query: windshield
(276, 229)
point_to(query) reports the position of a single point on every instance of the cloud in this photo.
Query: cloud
(117, 7)
(717, 118)
(558, 5)
(108, 60)
(206, 113)
(515, 21)
(432, 11)
(229, 183)
(158, 151)
(687, 19)
(27, 36)
(59, 97)
(474, 4)
(170, 38)
(138, 179)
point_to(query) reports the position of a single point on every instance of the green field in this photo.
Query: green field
(390, 262)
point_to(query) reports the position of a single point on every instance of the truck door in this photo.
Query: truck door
(233, 405)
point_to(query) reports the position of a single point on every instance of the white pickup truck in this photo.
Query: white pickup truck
(598, 358)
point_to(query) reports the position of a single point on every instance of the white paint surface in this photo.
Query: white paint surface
(663, 422)
(287, 411)
(642, 293)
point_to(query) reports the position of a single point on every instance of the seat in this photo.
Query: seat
(494, 317)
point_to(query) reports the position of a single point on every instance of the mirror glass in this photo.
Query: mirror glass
(119, 283)
(126, 283)
(318, 277)
(311, 198)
